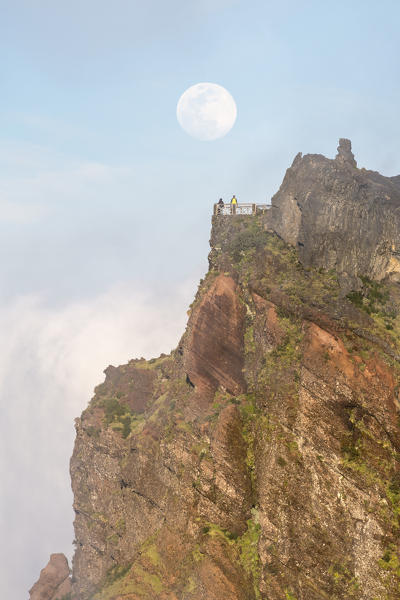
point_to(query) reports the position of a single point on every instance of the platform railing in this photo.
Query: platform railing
(240, 209)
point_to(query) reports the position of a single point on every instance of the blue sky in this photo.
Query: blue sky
(105, 202)
(90, 138)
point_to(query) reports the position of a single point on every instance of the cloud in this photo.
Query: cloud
(20, 213)
(51, 358)
(31, 172)
(48, 189)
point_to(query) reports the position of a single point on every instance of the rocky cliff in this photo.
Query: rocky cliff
(340, 217)
(260, 459)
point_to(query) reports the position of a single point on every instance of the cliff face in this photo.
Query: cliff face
(260, 459)
(156, 488)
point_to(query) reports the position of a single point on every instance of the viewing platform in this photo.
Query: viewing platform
(240, 209)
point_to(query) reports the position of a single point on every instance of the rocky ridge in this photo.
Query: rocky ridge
(260, 459)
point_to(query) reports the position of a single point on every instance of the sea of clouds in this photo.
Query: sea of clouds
(51, 358)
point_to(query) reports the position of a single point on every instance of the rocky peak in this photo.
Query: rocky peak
(345, 155)
(54, 582)
(339, 217)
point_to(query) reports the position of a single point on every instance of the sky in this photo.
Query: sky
(105, 202)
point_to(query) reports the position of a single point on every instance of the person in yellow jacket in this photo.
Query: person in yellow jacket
(234, 199)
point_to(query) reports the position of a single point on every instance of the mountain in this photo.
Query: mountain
(260, 459)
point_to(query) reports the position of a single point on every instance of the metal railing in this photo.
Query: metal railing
(240, 209)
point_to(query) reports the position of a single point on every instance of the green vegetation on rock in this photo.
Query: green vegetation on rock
(119, 416)
(244, 547)
(249, 556)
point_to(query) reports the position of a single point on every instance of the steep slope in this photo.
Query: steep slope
(260, 459)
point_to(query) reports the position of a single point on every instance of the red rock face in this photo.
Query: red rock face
(213, 353)
(54, 582)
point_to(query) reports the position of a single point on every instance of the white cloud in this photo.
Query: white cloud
(11, 212)
(50, 361)
(34, 173)
(38, 185)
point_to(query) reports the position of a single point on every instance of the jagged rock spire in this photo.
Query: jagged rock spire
(345, 155)
(54, 582)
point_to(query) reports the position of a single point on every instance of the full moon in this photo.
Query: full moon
(206, 111)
